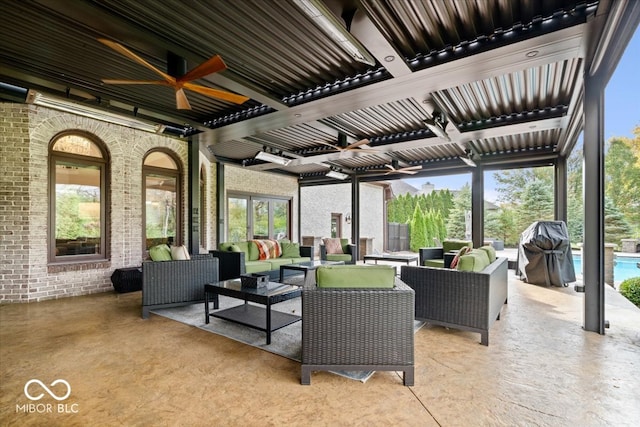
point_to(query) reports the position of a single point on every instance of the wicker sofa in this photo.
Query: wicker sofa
(456, 299)
(176, 283)
(234, 263)
(357, 329)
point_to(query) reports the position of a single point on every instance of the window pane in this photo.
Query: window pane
(77, 144)
(237, 219)
(160, 160)
(260, 219)
(161, 205)
(78, 210)
(280, 218)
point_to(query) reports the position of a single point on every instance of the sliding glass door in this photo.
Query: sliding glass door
(258, 217)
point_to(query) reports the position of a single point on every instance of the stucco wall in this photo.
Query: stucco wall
(318, 203)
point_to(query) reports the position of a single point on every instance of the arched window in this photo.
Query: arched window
(78, 212)
(162, 196)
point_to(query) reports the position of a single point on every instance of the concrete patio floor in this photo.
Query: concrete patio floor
(540, 369)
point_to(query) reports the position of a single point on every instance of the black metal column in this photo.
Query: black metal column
(355, 215)
(193, 202)
(477, 206)
(560, 194)
(593, 248)
(220, 203)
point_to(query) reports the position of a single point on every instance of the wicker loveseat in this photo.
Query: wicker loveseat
(466, 300)
(361, 328)
(175, 283)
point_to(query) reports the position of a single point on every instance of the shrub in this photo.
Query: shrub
(630, 288)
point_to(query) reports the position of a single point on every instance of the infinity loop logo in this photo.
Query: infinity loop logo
(51, 393)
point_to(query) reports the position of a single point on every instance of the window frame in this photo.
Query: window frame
(103, 164)
(250, 198)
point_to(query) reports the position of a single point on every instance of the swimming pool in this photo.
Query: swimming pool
(624, 267)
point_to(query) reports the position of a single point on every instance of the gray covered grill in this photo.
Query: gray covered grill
(544, 254)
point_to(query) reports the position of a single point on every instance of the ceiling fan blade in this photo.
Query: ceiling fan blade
(210, 66)
(136, 82)
(126, 52)
(390, 167)
(181, 100)
(358, 143)
(412, 168)
(216, 93)
(331, 145)
(407, 172)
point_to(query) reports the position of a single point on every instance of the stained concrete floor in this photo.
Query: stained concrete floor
(540, 369)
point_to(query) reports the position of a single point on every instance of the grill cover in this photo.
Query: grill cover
(544, 254)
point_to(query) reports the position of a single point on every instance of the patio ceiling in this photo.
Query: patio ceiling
(506, 74)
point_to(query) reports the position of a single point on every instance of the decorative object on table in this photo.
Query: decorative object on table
(254, 280)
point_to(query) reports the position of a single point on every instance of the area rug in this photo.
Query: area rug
(286, 342)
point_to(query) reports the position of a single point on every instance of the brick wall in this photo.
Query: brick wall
(25, 134)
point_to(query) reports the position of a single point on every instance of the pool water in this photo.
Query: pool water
(624, 267)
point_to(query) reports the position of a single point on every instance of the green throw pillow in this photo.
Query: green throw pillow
(290, 250)
(160, 253)
(491, 252)
(476, 260)
(234, 248)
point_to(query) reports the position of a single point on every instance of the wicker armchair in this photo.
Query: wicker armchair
(464, 300)
(348, 257)
(175, 283)
(358, 329)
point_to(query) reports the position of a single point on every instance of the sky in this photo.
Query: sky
(622, 114)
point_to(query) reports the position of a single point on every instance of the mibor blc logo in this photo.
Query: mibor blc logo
(35, 390)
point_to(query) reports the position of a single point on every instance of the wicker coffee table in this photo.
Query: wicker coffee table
(253, 316)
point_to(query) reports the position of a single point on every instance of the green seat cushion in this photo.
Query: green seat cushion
(277, 262)
(257, 266)
(455, 245)
(339, 257)
(290, 250)
(160, 253)
(439, 263)
(355, 276)
(476, 260)
(491, 252)
(300, 259)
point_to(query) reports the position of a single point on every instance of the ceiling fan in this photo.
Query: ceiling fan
(409, 170)
(350, 147)
(212, 65)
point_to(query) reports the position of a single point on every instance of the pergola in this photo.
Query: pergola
(357, 88)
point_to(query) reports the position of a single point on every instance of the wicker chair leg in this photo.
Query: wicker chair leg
(484, 338)
(408, 377)
(305, 376)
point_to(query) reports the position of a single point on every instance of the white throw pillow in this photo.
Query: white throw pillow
(179, 253)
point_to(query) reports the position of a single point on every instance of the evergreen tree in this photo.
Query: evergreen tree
(537, 204)
(622, 178)
(456, 221)
(616, 227)
(417, 236)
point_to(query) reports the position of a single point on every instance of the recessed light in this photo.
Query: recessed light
(298, 115)
(532, 54)
(389, 58)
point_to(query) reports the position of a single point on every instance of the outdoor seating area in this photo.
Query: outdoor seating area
(160, 364)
